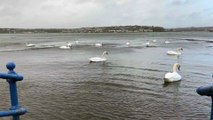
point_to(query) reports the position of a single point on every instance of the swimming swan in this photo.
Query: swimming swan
(76, 43)
(166, 42)
(30, 45)
(177, 52)
(128, 43)
(68, 46)
(147, 44)
(174, 76)
(99, 59)
(98, 45)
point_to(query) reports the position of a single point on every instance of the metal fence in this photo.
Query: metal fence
(12, 77)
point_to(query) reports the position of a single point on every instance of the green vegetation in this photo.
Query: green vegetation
(110, 29)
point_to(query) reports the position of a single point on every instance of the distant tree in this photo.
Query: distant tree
(158, 29)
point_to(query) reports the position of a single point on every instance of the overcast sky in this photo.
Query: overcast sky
(86, 13)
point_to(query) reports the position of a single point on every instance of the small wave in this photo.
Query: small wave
(24, 48)
(146, 69)
(209, 46)
(12, 50)
(198, 39)
(9, 44)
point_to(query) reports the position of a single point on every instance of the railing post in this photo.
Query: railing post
(13, 90)
(207, 91)
(211, 118)
(12, 77)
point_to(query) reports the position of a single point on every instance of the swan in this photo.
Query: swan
(68, 46)
(30, 45)
(177, 52)
(128, 43)
(174, 76)
(99, 59)
(148, 44)
(76, 42)
(154, 41)
(166, 42)
(98, 44)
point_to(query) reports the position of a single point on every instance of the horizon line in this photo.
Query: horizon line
(102, 26)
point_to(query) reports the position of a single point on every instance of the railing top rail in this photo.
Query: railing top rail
(12, 75)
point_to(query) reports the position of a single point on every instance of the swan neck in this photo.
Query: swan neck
(179, 50)
(175, 68)
(103, 55)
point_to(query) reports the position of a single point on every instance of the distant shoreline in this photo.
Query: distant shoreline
(109, 29)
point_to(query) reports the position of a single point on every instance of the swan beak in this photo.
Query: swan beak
(179, 67)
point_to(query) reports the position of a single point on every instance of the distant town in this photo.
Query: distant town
(108, 29)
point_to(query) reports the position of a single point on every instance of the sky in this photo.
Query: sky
(94, 13)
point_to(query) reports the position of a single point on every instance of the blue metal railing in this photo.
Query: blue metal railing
(12, 77)
(207, 91)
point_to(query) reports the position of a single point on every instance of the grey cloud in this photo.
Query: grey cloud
(80, 13)
(183, 2)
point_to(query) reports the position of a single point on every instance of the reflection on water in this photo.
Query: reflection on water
(63, 85)
(174, 86)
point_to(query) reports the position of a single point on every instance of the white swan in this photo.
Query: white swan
(128, 43)
(98, 45)
(166, 42)
(177, 52)
(148, 44)
(76, 42)
(30, 45)
(174, 76)
(68, 46)
(99, 59)
(154, 41)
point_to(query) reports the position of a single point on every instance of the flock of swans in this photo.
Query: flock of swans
(169, 77)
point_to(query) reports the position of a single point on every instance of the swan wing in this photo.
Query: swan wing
(171, 77)
(97, 59)
(173, 52)
(98, 44)
(30, 45)
(170, 52)
(64, 47)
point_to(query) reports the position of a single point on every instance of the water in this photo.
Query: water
(62, 85)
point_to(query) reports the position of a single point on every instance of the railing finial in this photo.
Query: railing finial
(10, 66)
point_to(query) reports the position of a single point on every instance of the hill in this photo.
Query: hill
(108, 29)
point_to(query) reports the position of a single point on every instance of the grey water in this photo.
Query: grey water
(61, 84)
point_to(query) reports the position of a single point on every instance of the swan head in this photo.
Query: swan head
(176, 66)
(105, 53)
(180, 49)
